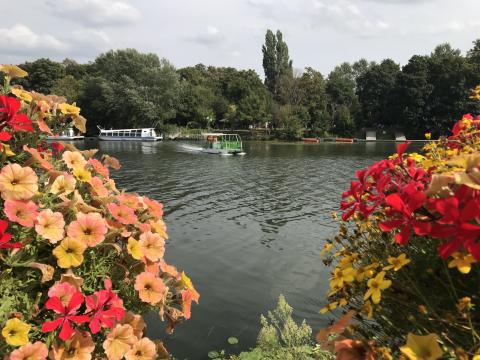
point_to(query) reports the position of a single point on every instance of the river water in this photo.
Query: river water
(245, 229)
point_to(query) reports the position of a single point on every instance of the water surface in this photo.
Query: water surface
(245, 229)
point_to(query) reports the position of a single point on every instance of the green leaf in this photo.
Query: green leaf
(232, 340)
(213, 354)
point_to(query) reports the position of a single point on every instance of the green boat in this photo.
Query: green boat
(223, 144)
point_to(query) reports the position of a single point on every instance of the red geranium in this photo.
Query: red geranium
(17, 122)
(5, 237)
(68, 315)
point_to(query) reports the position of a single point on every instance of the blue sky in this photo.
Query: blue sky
(319, 33)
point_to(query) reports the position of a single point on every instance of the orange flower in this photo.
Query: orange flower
(74, 159)
(62, 290)
(152, 245)
(123, 214)
(38, 157)
(151, 289)
(136, 322)
(155, 208)
(130, 200)
(98, 187)
(29, 351)
(160, 228)
(50, 225)
(112, 162)
(21, 212)
(144, 349)
(99, 168)
(80, 347)
(119, 341)
(89, 228)
(18, 183)
(63, 184)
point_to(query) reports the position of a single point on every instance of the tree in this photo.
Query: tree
(42, 75)
(276, 61)
(69, 87)
(374, 87)
(314, 99)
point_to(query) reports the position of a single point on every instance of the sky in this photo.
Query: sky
(319, 33)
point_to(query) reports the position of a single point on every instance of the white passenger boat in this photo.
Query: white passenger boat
(68, 134)
(145, 134)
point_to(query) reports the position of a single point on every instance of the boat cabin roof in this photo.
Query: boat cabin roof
(127, 129)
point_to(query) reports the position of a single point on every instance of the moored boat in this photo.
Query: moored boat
(143, 134)
(223, 144)
(68, 134)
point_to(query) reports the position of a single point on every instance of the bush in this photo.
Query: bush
(80, 261)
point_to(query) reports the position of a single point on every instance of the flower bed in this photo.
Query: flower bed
(405, 259)
(81, 261)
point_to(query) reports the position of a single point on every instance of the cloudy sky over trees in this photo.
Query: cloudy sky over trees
(320, 33)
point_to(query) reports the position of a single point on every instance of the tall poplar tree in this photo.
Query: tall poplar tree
(276, 61)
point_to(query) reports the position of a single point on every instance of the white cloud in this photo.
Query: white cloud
(96, 12)
(20, 39)
(211, 36)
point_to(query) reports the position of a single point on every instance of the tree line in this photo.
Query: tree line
(126, 88)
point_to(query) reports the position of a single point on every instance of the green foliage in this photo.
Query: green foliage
(69, 87)
(42, 75)
(281, 338)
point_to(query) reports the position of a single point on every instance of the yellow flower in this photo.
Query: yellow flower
(375, 287)
(396, 263)
(82, 174)
(69, 253)
(464, 303)
(5, 148)
(428, 136)
(63, 184)
(329, 307)
(134, 249)
(326, 248)
(15, 332)
(68, 109)
(341, 276)
(13, 71)
(367, 309)
(22, 94)
(422, 347)
(365, 272)
(462, 262)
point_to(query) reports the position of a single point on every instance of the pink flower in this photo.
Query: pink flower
(99, 168)
(89, 228)
(50, 225)
(155, 208)
(151, 289)
(122, 213)
(29, 351)
(21, 212)
(130, 200)
(152, 245)
(98, 187)
(62, 290)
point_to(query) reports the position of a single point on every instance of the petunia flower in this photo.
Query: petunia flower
(74, 159)
(134, 249)
(82, 174)
(422, 347)
(112, 162)
(151, 289)
(21, 212)
(50, 225)
(15, 332)
(89, 228)
(69, 253)
(130, 200)
(62, 290)
(144, 349)
(154, 207)
(79, 347)
(122, 213)
(99, 168)
(29, 351)
(136, 322)
(13, 71)
(119, 341)
(152, 245)
(67, 315)
(98, 187)
(18, 183)
(63, 184)
(375, 287)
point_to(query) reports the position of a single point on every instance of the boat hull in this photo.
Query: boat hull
(224, 152)
(65, 138)
(124, 138)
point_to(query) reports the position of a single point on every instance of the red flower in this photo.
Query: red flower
(68, 315)
(18, 122)
(57, 147)
(5, 238)
(401, 214)
(105, 308)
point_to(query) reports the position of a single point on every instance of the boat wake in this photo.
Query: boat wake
(191, 148)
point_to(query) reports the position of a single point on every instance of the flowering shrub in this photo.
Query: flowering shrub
(405, 259)
(80, 261)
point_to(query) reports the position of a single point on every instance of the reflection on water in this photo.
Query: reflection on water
(246, 229)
